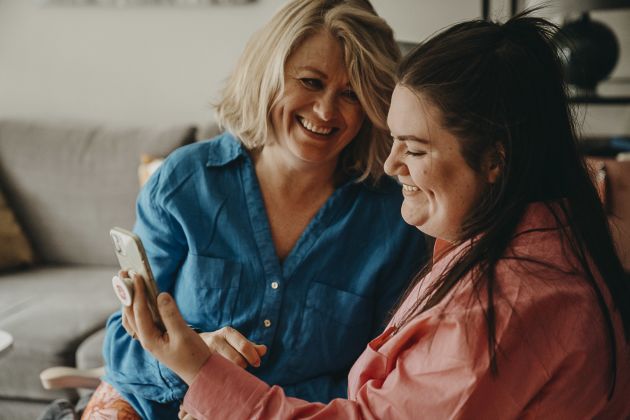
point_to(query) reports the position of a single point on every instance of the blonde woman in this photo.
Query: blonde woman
(270, 237)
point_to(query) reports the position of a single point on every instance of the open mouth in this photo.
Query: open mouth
(409, 188)
(316, 129)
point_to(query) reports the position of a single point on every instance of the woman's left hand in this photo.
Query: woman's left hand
(179, 347)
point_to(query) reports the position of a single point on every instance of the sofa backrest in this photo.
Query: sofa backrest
(69, 183)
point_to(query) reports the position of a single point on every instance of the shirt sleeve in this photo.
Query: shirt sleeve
(322, 388)
(130, 368)
(416, 387)
(441, 369)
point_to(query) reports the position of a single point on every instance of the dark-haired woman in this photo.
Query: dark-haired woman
(525, 311)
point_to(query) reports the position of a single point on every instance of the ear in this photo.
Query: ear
(495, 162)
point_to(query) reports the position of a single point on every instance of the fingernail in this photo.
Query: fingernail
(164, 299)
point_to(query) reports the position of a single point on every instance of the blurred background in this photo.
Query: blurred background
(166, 63)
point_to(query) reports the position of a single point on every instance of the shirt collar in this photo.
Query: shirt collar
(225, 149)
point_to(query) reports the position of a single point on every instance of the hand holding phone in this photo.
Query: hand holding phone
(133, 260)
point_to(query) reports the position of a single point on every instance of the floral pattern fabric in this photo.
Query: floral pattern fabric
(107, 404)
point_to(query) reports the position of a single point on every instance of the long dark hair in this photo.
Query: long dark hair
(500, 90)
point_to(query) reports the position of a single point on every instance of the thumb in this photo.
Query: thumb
(172, 318)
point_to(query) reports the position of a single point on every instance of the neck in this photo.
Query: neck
(290, 179)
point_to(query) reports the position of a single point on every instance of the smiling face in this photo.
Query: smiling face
(318, 113)
(439, 187)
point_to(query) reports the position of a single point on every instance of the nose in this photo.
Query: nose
(325, 106)
(394, 166)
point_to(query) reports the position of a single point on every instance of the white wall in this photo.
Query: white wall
(135, 65)
(154, 65)
(147, 65)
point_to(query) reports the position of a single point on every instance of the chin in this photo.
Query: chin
(410, 215)
(413, 221)
(312, 154)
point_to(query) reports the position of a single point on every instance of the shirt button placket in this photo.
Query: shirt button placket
(271, 308)
(274, 286)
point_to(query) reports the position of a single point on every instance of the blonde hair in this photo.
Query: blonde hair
(370, 55)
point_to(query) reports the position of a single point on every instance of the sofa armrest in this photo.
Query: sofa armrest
(68, 377)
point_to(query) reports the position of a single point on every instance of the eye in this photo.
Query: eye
(311, 83)
(414, 153)
(410, 153)
(351, 96)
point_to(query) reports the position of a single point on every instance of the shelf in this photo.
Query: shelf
(603, 100)
(604, 146)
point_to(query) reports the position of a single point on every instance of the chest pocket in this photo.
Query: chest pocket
(336, 325)
(206, 291)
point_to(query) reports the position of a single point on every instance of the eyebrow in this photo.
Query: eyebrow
(319, 73)
(314, 70)
(411, 138)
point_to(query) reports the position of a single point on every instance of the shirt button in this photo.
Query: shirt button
(274, 285)
(267, 323)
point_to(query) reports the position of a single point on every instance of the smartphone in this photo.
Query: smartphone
(133, 259)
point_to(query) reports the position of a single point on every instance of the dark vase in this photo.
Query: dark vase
(588, 51)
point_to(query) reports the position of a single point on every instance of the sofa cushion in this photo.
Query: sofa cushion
(49, 311)
(148, 165)
(69, 183)
(15, 250)
(90, 353)
(21, 410)
(612, 178)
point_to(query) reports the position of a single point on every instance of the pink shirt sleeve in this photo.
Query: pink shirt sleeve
(438, 367)
(411, 386)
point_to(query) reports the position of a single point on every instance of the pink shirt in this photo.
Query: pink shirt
(553, 358)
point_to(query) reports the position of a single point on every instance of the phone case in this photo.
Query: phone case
(133, 259)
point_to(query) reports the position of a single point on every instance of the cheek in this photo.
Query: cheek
(464, 195)
(423, 177)
(277, 114)
(283, 106)
(354, 118)
(445, 179)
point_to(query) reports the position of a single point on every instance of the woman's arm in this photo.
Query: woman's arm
(128, 366)
(220, 389)
(436, 367)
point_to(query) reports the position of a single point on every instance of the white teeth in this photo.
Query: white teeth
(315, 129)
(409, 188)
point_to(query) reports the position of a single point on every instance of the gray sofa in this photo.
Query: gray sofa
(68, 184)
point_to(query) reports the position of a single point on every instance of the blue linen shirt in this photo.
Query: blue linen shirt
(203, 223)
